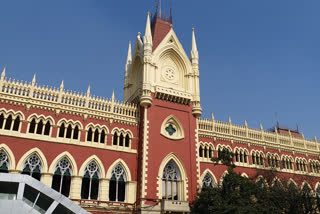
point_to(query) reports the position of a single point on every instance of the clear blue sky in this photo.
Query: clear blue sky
(256, 57)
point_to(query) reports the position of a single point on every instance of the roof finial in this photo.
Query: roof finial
(194, 55)
(230, 120)
(147, 34)
(61, 85)
(34, 78)
(129, 57)
(112, 97)
(212, 116)
(3, 74)
(88, 91)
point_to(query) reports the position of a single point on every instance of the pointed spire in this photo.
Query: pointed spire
(129, 57)
(34, 79)
(112, 97)
(147, 32)
(229, 120)
(3, 74)
(261, 128)
(315, 139)
(194, 49)
(212, 117)
(61, 85)
(245, 123)
(88, 91)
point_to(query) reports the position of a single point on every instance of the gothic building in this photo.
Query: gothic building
(149, 153)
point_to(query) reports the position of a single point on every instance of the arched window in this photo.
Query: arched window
(307, 198)
(47, 128)
(115, 139)
(121, 140)
(103, 137)
(1, 121)
(33, 167)
(4, 162)
(90, 182)
(210, 152)
(61, 130)
(261, 183)
(318, 195)
(207, 182)
(69, 131)
(8, 123)
(171, 182)
(200, 151)
(76, 133)
(277, 185)
(205, 152)
(253, 156)
(61, 180)
(16, 124)
(96, 136)
(32, 126)
(40, 127)
(117, 185)
(127, 141)
(89, 135)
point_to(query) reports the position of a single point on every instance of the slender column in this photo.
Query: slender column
(104, 189)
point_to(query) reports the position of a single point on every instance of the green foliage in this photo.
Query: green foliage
(240, 195)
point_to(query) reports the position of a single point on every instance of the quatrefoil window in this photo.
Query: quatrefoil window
(171, 130)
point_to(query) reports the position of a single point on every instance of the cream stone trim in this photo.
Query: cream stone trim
(292, 181)
(221, 147)
(38, 152)
(38, 117)
(97, 126)
(72, 161)
(260, 177)
(70, 122)
(207, 171)
(274, 181)
(98, 162)
(316, 186)
(145, 154)
(304, 183)
(13, 113)
(184, 178)
(245, 175)
(197, 154)
(222, 177)
(123, 164)
(12, 160)
(172, 120)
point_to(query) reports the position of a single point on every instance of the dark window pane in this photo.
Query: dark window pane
(94, 189)
(43, 203)
(65, 190)
(16, 124)
(121, 190)
(40, 127)
(8, 123)
(1, 121)
(69, 130)
(96, 136)
(127, 141)
(76, 133)
(47, 128)
(60, 209)
(102, 138)
(85, 188)
(112, 189)
(121, 140)
(115, 138)
(56, 179)
(61, 131)
(89, 135)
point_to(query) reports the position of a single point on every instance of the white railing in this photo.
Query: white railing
(33, 93)
(227, 130)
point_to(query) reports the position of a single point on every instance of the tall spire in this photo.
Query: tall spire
(129, 57)
(34, 79)
(3, 74)
(147, 39)
(194, 49)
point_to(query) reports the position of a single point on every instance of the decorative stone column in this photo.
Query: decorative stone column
(104, 189)
(75, 192)
(46, 178)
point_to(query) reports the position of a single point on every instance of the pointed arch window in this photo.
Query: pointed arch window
(127, 141)
(89, 135)
(121, 140)
(171, 182)
(1, 120)
(200, 151)
(76, 133)
(16, 124)
(47, 128)
(69, 131)
(207, 182)
(40, 127)
(117, 185)
(115, 139)
(61, 180)
(103, 137)
(96, 136)
(61, 130)
(90, 182)
(4, 162)
(261, 183)
(33, 167)
(32, 126)
(8, 123)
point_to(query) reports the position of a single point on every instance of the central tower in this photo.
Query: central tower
(164, 81)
